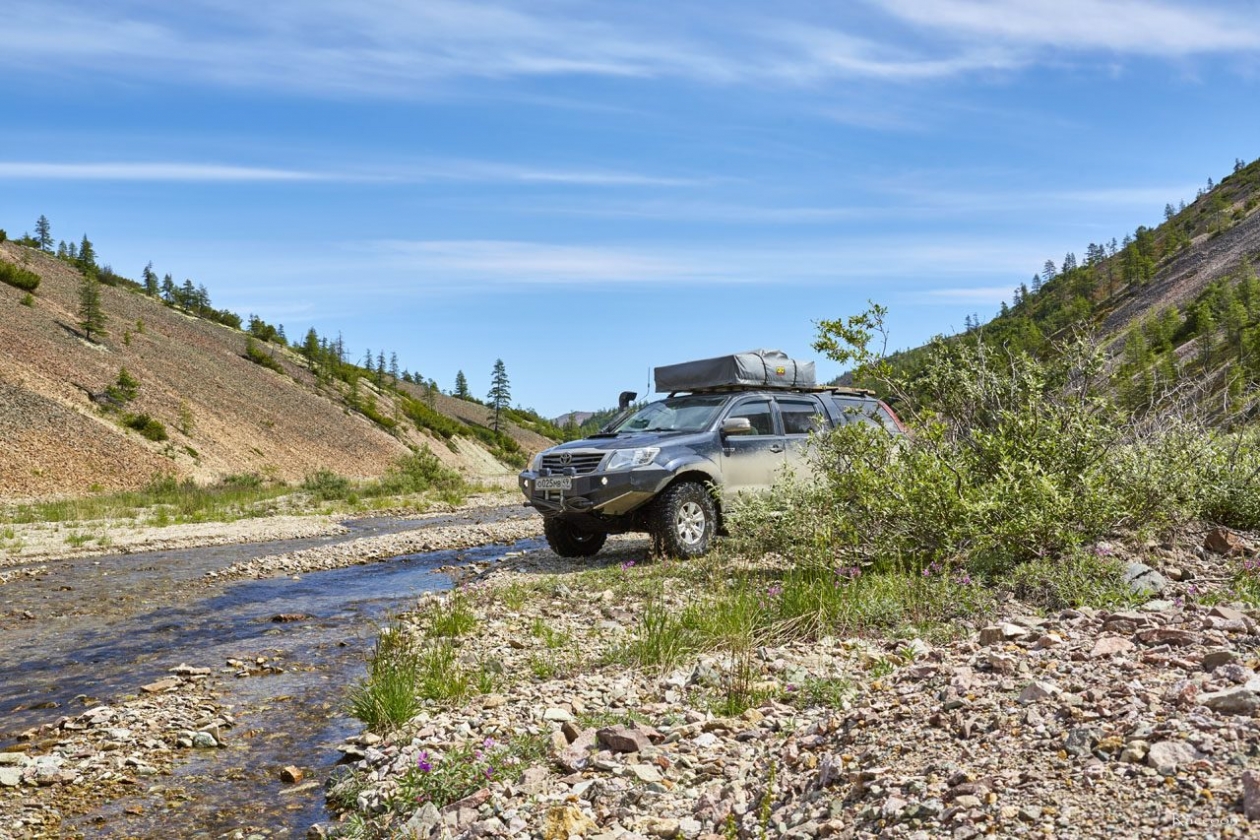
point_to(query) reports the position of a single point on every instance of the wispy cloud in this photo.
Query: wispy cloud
(1140, 27)
(976, 294)
(429, 171)
(474, 265)
(119, 171)
(403, 49)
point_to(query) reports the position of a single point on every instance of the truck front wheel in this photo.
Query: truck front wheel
(569, 541)
(684, 520)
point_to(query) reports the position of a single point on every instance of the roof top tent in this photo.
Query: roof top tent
(752, 369)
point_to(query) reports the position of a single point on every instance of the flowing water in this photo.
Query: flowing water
(104, 626)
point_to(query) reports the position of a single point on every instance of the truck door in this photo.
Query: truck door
(801, 416)
(753, 461)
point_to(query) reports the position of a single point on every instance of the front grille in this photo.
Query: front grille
(581, 462)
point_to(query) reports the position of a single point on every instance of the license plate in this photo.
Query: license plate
(554, 482)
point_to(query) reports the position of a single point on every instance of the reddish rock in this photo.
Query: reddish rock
(623, 739)
(1222, 541)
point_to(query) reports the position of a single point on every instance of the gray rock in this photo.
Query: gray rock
(10, 776)
(423, 821)
(1251, 794)
(1216, 658)
(646, 773)
(1038, 690)
(1081, 740)
(1143, 580)
(1238, 700)
(204, 740)
(533, 781)
(1166, 756)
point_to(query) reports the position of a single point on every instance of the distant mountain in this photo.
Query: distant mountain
(577, 418)
(209, 400)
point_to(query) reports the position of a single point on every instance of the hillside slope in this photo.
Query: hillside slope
(223, 413)
(1176, 307)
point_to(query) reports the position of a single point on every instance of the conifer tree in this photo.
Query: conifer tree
(150, 281)
(311, 348)
(87, 257)
(500, 395)
(461, 386)
(43, 233)
(91, 316)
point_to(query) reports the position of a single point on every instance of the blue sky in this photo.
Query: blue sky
(587, 190)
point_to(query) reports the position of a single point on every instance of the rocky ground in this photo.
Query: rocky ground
(1083, 723)
(1078, 724)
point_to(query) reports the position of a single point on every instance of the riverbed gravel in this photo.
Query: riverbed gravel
(1080, 723)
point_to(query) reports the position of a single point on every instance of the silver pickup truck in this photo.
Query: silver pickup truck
(666, 468)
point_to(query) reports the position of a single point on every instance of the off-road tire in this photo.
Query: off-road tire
(568, 541)
(684, 519)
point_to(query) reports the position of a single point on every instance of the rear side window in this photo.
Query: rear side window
(871, 412)
(800, 416)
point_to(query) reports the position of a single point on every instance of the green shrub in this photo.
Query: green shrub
(416, 473)
(147, 426)
(325, 485)
(27, 299)
(1013, 459)
(259, 356)
(125, 388)
(18, 277)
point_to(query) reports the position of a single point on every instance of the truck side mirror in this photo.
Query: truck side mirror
(736, 426)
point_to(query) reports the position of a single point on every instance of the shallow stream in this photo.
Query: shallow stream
(104, 626)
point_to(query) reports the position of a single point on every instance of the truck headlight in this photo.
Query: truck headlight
(627, 458)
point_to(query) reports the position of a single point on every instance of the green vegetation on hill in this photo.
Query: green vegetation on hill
(1212, 342)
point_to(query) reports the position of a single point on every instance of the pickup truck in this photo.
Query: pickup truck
(667, 468)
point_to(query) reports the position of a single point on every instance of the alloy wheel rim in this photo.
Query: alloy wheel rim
(690, 523)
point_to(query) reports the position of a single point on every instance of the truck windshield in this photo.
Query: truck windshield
(676, 414)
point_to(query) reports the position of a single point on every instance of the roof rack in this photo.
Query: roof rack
(798, 389)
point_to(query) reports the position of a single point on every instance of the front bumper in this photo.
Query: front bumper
(599, 494)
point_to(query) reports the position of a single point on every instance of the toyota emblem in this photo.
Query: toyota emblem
(565, 459)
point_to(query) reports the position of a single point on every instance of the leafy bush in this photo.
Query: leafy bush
(147, 426)
(259, 356)
(325, 485)
(27, 281)
(27, 299)
(1013, 460)
(417, 473)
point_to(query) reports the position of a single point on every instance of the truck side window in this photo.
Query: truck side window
(758, 414)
